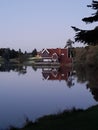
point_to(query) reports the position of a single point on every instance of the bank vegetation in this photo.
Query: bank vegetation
(86, 56)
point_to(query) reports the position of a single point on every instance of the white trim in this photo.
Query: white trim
(45, 50)
(54, 73)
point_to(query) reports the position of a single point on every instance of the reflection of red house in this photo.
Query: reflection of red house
(56, 55)
(61, 73)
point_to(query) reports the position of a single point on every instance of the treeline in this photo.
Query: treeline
(8, 53)
(11, 53)
(86, 56)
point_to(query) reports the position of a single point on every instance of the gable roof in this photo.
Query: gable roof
(58, 51)
(45, 50)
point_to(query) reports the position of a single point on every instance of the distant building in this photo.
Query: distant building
(62, 56)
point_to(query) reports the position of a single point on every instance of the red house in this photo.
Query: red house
(56, 55)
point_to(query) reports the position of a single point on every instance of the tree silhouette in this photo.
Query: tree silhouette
(93, 18)
(88, 36)
(34, 52)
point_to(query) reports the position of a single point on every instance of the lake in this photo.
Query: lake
(34, 91)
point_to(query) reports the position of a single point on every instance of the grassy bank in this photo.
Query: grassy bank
(67, 120)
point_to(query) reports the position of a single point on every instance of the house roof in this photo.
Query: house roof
(58, 51)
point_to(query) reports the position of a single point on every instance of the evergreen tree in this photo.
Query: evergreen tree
(34, 52)
(88, 36)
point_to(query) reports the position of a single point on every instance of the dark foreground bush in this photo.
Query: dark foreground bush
(67, 120)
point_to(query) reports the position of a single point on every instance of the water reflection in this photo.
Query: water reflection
(20, 68)
(89, 75)
(62, 73)
(48, 73)
(35, 91)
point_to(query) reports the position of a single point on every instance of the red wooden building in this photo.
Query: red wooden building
(56, 55)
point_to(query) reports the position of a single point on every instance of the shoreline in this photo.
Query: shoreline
(74, 119)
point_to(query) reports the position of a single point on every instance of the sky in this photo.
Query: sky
(29, 24)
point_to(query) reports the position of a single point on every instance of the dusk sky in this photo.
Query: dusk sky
(29, 24)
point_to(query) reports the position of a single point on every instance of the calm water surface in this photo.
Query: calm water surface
(31, 92)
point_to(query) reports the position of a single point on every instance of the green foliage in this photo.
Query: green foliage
(86, 56)
(89, 37)
(94, 16)
(34, 52)
(80, 55)
(92, 56)
(7, 53)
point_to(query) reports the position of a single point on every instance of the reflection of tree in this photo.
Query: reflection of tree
(91, 76)
(70, 81)
(34, 68)
(81, 74)
(93, 83)
(7, 67)
(22, 70)
(94, 92)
